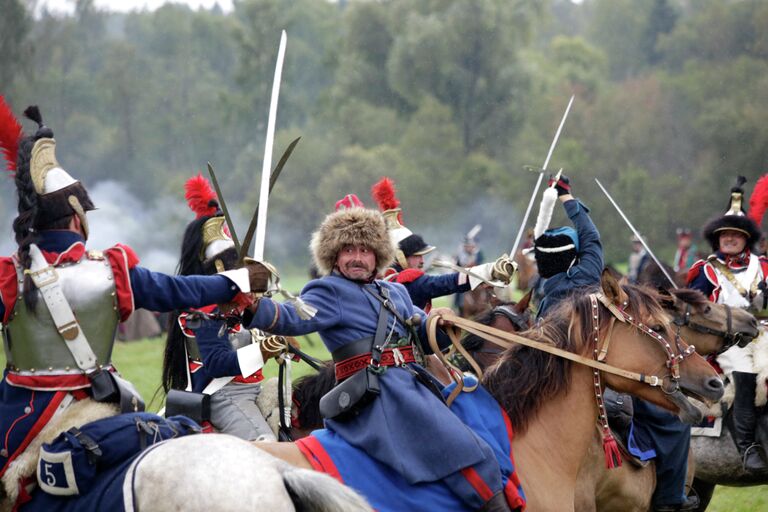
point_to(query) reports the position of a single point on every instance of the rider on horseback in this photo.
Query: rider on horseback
(735, 276)
(384, 404)
(409, 258)
(60, 303)
(572, 260)
(229, 372)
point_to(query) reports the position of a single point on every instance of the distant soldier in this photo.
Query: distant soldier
(638, 258)
(686, 252)
(469, 255)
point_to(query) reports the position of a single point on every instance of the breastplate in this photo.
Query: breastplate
(34, 345)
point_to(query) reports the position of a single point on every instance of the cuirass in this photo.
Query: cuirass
(34, 345)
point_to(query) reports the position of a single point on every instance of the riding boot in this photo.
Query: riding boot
(744, 421)
(498, 503)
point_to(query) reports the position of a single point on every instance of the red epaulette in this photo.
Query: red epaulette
(694, 271)
(408, 275)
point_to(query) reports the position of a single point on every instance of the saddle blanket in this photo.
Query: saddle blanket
(386, 490)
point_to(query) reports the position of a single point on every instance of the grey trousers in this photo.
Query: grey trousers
(234, 411)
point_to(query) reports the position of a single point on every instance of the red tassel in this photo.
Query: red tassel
(200, 197)
(758, 201)
(611, 449)
(10, 134)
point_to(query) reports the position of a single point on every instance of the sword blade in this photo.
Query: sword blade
(538, 180)
(636, 233)
(272, 180)
(261, 225)
(224, 208)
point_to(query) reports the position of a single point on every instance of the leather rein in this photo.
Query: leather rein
(729, 337)
(507, 340)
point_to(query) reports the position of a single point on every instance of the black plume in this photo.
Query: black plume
(740, 181)
(33, 112)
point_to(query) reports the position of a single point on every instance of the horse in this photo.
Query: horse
(550, 401)
(713, 328)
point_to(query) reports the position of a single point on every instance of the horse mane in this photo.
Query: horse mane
(690, 296)
(308, 390)
(524, 379)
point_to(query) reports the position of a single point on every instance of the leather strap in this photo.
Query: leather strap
(46, 279)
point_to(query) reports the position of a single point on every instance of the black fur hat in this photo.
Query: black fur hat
(554, 252)
(734, 219)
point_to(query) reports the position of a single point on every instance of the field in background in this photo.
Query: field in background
(141, 363)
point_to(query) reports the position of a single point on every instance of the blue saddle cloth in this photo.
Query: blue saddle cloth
(387, 490)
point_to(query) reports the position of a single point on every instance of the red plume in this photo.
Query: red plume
(10, 134)
(200, 196)
(758, 201)
(384, 194)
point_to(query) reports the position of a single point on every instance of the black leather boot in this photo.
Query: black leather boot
(690, 503)
(744, 421)
(498, 503)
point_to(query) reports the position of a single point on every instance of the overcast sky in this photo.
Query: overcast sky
(129, 5)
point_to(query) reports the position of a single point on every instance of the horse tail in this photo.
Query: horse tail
(312, 491)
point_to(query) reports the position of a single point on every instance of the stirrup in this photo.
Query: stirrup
(756, 449)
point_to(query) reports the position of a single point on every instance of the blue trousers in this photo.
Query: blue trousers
(663, 432)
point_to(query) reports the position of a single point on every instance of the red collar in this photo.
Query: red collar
(72, 254)
(738, 261)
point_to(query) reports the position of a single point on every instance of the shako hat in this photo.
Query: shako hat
(354, 225)
(408, 243)
(735, 218)
(47, 193)
(207, 246)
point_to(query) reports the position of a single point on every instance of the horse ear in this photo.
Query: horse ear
(611, 288)
(667, 299)
(523, 303)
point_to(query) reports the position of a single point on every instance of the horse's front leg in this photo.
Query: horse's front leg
(288, 452)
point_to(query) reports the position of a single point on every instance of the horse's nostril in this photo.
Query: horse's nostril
(714, 383)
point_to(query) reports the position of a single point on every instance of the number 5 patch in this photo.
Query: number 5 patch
(55, 474)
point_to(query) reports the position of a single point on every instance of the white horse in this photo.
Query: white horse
(263, 481)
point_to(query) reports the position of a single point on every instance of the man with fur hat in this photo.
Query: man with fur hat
(735, 276)
(229, 370)
(370, 327)
(60, 303)
(407, 269)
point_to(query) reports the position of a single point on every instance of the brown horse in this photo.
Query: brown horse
(712, 328)
(551, 401)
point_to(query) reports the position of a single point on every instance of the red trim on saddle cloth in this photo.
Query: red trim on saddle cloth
(68, 382)
(318, 458)
(477, 483)
(514, 500)
(41, 422)
(122, 259)
(354, 364)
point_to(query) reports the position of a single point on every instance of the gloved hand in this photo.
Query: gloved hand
(273, 346)
(259, 274)
(237, 305)
(503, 269)
(563, 185)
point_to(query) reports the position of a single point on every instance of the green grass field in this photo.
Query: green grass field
(141, 363)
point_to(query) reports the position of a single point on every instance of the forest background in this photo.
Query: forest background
(450, 98)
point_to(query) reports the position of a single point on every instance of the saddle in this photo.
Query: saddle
(619, 409)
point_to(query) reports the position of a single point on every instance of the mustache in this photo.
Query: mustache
(357, 264)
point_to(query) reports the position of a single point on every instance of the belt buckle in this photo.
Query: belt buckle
(398, 356)
(43, 277)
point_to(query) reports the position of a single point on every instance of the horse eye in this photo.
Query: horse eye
(707, 309)
(657, 327)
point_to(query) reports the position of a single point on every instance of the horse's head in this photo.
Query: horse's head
(711, 328)
(636, 334)
(507, 316)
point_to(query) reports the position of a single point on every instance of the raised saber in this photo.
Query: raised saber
(538, 181)
(636, 233)
(261, 225)
(224, 207)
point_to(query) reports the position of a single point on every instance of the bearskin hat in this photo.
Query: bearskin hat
(359, 226)
(734, 219)
(555, 250)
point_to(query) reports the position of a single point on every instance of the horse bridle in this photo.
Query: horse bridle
(730, 338)
(517, 319)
